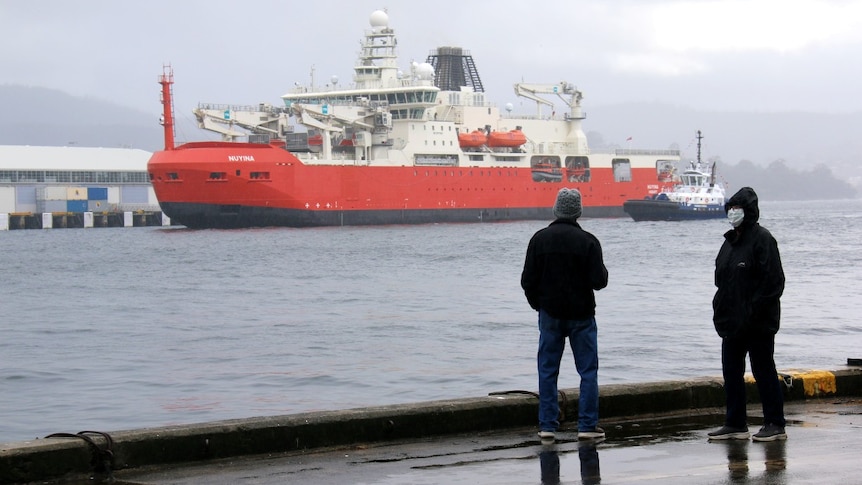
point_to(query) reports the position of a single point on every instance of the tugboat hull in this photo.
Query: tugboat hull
(662, 210)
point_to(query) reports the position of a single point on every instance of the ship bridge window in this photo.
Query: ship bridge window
(578, 169)
(622, 168)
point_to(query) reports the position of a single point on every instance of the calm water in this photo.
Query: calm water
(113, 329)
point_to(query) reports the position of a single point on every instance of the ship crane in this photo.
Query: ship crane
(332, 119)
(225, 119)
(565, 91)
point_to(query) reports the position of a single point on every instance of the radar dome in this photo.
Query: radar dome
(425, 71)
(379, 20)
(509, 107)
(334, 80)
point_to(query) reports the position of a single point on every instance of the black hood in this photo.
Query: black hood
(747, 199)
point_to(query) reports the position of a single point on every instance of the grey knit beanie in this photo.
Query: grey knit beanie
(568, 204)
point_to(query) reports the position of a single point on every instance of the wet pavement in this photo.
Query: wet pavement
(822, 447)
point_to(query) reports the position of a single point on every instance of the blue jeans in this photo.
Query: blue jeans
(582, 336)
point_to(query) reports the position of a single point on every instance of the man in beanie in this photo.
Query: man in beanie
(746, 313)
(562, 269)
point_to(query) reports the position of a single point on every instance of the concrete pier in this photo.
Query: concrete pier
(145, 451)
(69, 220)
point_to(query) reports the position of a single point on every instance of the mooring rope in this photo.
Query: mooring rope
(102, 460)
(562, 394)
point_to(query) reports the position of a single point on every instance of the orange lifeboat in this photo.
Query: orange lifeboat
(472, 140)
(508, 139)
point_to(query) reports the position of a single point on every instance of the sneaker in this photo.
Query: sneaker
(591, 434)
(729, 433)
(546, 435)
(770, 432)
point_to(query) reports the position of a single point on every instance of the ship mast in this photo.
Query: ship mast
(712, 169)
(167, 118)
(699, 137)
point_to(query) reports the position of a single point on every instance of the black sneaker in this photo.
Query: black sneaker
(729, 433)
(591, 434)
(770, 432)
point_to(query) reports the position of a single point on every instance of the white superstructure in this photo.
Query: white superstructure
(394, 117)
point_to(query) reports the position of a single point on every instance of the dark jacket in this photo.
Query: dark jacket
(562, 268)
(748, 275)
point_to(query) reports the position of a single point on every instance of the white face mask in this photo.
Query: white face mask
(735, 217)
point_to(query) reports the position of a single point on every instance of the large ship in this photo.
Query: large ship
(395, 147)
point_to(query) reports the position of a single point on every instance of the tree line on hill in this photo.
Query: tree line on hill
(777, 181)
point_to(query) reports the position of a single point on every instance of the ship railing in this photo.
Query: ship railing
(361, 103)
(638, 151)
(563, 117)
(238, 107)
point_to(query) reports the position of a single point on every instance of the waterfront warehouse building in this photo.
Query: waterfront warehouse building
(37, 179)
(44, 187)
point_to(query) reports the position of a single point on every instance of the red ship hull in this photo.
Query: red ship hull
(233, 185)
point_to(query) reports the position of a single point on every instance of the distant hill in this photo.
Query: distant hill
(792, 155)
(801, 138)
(47, 117)
(808, 155)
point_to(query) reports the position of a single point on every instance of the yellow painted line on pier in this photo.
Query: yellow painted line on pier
(817, 382)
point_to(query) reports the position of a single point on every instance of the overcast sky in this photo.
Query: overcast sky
(729, 55)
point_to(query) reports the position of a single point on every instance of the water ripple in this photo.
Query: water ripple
(170, 326)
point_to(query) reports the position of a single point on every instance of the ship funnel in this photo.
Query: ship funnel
(454, 68)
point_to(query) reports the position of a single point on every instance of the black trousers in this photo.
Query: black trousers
(760, 348)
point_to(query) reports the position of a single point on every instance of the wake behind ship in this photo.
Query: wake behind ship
(396, 147)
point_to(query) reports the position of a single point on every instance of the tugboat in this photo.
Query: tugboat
(694, 195)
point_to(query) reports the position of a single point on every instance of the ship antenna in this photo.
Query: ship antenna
(699, 137)
(712, 170)
(167, 118)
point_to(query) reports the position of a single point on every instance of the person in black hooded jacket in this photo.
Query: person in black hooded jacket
(746, 315)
